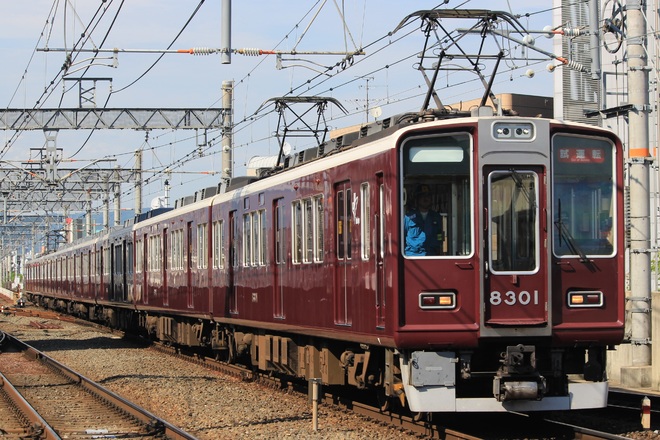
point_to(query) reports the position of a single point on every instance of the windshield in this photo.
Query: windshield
(436, 196)
(513, 214)
(582, 196)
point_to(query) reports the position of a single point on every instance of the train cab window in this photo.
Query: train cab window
(583, 196)
(513, 213)
(436, 196)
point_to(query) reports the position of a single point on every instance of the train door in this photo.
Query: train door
(379, 240)
(233, 263)
(123, 269)
(343, 274)
(145, 267)
(189, 264)
(166, 296)
(280, 258)
(112, 272)
(515, 292)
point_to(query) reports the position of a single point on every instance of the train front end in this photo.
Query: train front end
(511, 264)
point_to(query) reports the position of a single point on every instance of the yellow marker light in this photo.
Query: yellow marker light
(437, 300)
(577, 299)
(446, 300)
(591, 299)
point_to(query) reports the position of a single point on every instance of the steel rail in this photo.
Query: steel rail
(170, 431)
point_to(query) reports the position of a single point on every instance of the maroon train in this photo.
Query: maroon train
(306, 271)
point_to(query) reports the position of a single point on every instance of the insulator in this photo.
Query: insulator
(572, 32)
(250, 51)
(576, 66)
(203, 51)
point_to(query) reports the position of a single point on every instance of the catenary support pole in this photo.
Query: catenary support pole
(227, 127)
(639, 159)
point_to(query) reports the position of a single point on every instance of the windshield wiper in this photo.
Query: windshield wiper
(565, 233)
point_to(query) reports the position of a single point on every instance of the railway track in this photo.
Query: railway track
(45, 399)
(451, 426)
(459, 426)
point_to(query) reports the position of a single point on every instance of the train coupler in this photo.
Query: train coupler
(518, 378)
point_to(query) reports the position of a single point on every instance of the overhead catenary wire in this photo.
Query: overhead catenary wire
(315, 83)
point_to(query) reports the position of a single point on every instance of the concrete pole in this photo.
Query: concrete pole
(117, 195)
(639, 159)
(88, 215)
(106, 207)
(227, 127)
(138, 182)
(594, 39)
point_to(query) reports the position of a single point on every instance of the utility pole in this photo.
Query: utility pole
(227, 129)
(639, 159)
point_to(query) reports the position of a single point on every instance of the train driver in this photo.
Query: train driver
(423, 225)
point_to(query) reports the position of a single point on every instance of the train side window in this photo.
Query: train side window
(180, 250)
(344, 223)
(258, 237)
(202, 249)
(340, 224)
(365, 224)
(318, 229)
(129, 258)
(233, 246)
(155, 254)
(247, 240)
(106, 260)
(308, 214)
(173, 250)
(219, 244)
(297, 231)
(279, 239)
(139, 257)
(263, 236)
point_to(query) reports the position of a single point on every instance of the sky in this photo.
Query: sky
(31, 77)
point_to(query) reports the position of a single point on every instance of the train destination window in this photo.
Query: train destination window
(513, 221)
(583, 196)
(436, 196)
